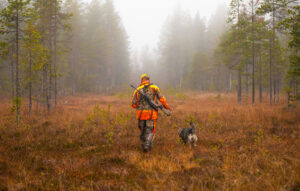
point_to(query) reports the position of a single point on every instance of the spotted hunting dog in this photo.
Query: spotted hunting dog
(188, 135)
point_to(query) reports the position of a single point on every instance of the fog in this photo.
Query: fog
(99, 46)
(144, 19)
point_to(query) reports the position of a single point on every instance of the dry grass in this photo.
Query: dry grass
(81, 146)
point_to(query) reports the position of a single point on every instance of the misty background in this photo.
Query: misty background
(57, 48)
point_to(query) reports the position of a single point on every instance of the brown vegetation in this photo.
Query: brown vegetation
(92, 142)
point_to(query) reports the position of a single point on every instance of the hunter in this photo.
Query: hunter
(146, 114)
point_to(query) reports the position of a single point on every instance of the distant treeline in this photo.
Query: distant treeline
(52, 47)
(252, 47)
(184, 57)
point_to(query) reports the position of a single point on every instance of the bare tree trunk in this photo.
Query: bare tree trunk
(239, 89)
(239, 86)
(288, 99)
(30, 84)
(12, 75)
(253, 82)
(272, 49)
(18, 97)
(260, 78)
(55, 52)
(45, 86)
(289, 93)
(295, 88)
(270, 74)
(73, 76)
(247, 80)
(230, 81)
(218, 78)
(275, 88)
(253, 56)
(180, 83)
(49, 91)
(49, 100)
(278, 88)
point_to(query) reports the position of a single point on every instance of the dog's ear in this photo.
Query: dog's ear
(192, 124)
(193, 128)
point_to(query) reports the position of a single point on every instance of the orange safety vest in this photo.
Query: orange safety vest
(148, 114)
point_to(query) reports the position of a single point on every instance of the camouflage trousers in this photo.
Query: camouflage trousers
(147, 128)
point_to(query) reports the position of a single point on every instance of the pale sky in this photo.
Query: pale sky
(143, 19)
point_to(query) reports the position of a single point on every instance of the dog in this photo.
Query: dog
(188, 135)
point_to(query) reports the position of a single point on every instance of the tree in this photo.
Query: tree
(12, 19)
(216, 27)
(233, 42)
(74, 37)
(116, 50)
(253, 26)
(292, 25)
(276, 9)
(51, 21)
(60, 24)
(101, 41)
(34, 57)
(196, 73)
(176, 48)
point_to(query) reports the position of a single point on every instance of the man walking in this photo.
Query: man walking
(146, 114)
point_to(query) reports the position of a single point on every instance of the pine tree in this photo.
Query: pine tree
(51, 22)
(34, 57)
(117, 55)
(176, 47)
(196, 73)
(292, 25)
(276, 9)
(233, 43)
(13, 18)
(74, 37)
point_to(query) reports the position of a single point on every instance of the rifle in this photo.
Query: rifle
(152, 103)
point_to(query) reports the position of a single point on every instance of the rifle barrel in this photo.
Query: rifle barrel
(151, 102)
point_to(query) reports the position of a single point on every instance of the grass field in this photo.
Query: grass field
(91, 142)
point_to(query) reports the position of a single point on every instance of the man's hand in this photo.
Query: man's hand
(166, 111)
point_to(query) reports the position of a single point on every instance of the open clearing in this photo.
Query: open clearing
(91, 142)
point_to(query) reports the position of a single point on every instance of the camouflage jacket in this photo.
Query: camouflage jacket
(143, 109)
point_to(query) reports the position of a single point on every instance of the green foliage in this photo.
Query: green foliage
(277, 139)
(184, 39)
(214, 148)
(181, 95)
(212, 117)
(98, 46)
(34, 55)
(103, 119)
(191, 118)
(8, 14)
(258, 138)
(292, 24)
(17, 103)
(171, 90)
(12, 19)
(199, 66)
(121, 95)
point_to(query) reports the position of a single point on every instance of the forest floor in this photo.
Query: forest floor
(91, 142)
